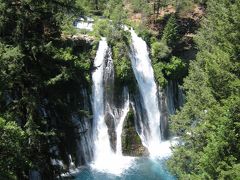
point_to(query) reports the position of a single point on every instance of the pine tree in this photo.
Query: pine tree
(30, 36)
(209, 121)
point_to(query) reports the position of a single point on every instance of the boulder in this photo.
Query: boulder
(131, 142)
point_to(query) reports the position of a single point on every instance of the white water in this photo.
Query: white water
(105, 159)
(143, 71)
(121, 121)
(100, 132)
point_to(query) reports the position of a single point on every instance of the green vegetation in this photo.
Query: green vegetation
(170, 32)
(36, 64)
(118, 39)
(141, 6)
(13, 155)
(131, 142)
(43, 66)
(209, 121)
(89, 7)
(165, 64)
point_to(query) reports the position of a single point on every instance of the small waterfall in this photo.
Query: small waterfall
(140, 117)
(102, 147)
(82, 132)
(123, 115)
(143, 71)
(109, 106)
(106, 117)
(175, 97)
(71, 164)
(86, 136)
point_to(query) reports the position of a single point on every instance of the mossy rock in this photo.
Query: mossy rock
(131, 142)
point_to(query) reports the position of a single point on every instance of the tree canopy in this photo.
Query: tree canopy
(209, 121)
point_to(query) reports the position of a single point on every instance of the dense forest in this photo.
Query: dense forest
(45, 62)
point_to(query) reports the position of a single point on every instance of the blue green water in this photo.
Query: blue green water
(140, 169)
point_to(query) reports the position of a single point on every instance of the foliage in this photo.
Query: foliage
(175, 67)
(160, 51)
(170, 33)
(118, 39)
(13, 155)
(122, 64)
(92, 6)
(116, 12)
(168, 70)
(158, 72)
(37, 69)
(102, 28)
(141, 6)
(67, 27)
(11, 65)
(209, 121)
(184, 6)
(41, 68)
(166, 65)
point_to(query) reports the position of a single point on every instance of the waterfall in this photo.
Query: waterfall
(106, 117)
(123, 115)
(175, 97)
(83, 126)
(100, 131)
(141, 64)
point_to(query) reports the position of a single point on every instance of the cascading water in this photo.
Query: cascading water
(105, 159)
(84, 143)
(109, 117)
(102, 147)
(119, 128)
(175, 96)
(143, 71)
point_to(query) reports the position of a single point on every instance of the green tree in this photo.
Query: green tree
(34, 62)
(209, 121)
(170, 32)
(13, 155)
(160, 50)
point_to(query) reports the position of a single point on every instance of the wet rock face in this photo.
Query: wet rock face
(164, 117)
(131, 142)
(109, 120)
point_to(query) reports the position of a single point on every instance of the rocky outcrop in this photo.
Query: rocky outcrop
(131, 142)
(164, 115)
